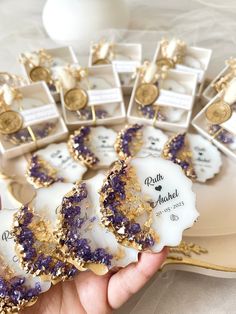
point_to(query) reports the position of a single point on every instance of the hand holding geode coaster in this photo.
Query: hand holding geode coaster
(74, 213)
(147, 203)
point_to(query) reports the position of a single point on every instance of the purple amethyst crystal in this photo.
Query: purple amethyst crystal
(149, 112)
(72, 221)
(86, 114)
(113, 192)
(126, 138)
(79, 149)
(15, 291)
(33, 261)
(38, 174)
(23, 136)
(224, 136)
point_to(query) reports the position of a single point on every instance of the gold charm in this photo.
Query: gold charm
(218, 112)
(146, 94)
(10, 122)
(40, 73)
(75, 99)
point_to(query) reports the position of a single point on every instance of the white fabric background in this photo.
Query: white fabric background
(212, 25)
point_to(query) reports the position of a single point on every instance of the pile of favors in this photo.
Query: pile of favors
(107, 179)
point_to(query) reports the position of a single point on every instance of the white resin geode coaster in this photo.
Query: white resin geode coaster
(79, 231)
(93, 146)
(147, 203)
(17, 287)
(52, 164)
(199, 159)
(140, 141)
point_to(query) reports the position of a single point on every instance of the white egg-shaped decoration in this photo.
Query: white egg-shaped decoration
(75, 22)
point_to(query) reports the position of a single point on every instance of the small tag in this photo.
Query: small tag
(104, 96)
(230, 125)
(199, 72)
(40, 114)
(174, 99)
(125, 66)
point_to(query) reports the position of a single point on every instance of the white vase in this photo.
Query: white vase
(75, 22)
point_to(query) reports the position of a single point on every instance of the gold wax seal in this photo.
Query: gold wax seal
(218, 112)
(101, 61)
(146, 94)
(75, 99)
(165, 62)
(10, 122)
(40, 74)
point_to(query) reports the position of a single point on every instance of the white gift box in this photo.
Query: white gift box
(37, 107)
(210, 92)
(65, 55)
(168, 98)
(127, 58)
(201, 124)
(201, 55)
(109, 99)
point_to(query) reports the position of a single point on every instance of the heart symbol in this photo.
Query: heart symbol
(158, 188)
(174, 217)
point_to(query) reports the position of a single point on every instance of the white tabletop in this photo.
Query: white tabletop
(212, 26)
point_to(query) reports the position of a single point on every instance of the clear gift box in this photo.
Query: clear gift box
(170, 102)
(126, 57)
(42, 123)
(60, 57)
(105, 104)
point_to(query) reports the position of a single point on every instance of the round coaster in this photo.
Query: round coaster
(53, 164)
(140, 141)
(93, 146)
(83, 239)
(144, 207)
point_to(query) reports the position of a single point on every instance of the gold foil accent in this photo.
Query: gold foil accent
(98, 269)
